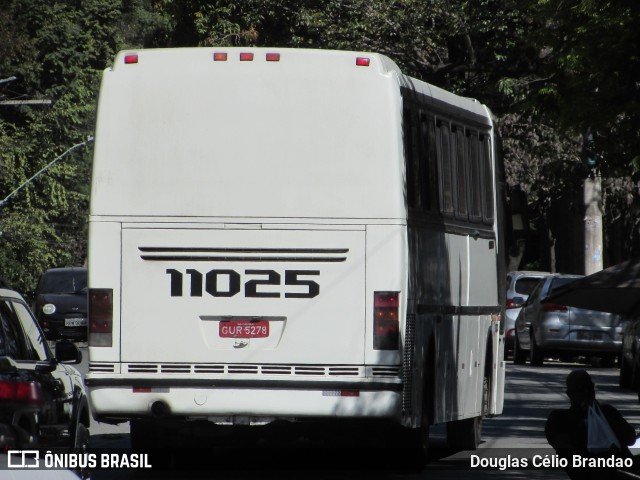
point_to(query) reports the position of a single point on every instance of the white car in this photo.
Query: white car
(519, 286)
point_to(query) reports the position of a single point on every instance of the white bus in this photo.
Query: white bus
(291, 234)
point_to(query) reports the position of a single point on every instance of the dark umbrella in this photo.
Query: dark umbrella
(615, 290)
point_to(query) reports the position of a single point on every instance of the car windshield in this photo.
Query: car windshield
(63, 282)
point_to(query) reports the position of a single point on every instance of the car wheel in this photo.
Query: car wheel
(625, 374)
(635, 375)
(535, 354)
(80, 442)
(519, 355)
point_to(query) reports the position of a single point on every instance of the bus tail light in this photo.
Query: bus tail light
(386, 325)
(100, 317)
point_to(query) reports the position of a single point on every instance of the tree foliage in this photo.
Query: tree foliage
(549, 70)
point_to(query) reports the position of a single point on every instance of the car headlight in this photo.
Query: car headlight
(48, 308)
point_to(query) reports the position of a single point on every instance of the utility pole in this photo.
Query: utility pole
(592, 191)
(592, 201)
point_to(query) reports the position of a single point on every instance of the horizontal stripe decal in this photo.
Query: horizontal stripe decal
(242, 250)
(207, 258)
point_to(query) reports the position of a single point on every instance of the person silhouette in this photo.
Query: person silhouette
(567, 429)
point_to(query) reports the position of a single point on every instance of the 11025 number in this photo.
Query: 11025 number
(254, 283)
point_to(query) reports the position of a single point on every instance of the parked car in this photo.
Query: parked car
(43, 402)
(519, 286)
(61, 303)
(545, 329)
(630, 356)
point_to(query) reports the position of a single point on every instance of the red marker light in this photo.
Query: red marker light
(131, 58)
(273, 57)
(246, 57)
(219, 57)
(362, 61)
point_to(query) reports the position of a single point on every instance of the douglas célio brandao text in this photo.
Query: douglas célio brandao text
(549, 461)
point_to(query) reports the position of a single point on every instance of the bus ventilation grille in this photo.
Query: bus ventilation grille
(254, 369)
(102, 367)
(407, 363)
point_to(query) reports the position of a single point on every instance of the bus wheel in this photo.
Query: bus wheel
(144, 435)
(464, 434)
(419, 446)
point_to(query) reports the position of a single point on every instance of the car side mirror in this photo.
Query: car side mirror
(68, 352)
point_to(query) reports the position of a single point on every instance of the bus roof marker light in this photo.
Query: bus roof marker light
(246, 57)
(273, 57)
(131, 58)
(363, 61)
(219, 56)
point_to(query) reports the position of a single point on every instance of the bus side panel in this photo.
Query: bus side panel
(386, 270)
(104, 272)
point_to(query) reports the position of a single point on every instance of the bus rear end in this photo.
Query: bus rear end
(247, 257)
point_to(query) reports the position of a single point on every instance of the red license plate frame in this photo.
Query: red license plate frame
(244, 329)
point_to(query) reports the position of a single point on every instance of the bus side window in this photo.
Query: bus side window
(412, 156)
(429, 156)
(460, 173)
(487, 179)
(443, 147)
(475, 177)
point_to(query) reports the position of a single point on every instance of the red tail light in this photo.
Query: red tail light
(246, 57)
(23, 392)
(362, 61)
(386, 324)
(512, 304)
(131, 58)
(554, 307)
(100, 317)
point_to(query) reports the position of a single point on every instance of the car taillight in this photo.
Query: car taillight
(512, 304)
(100, 317)
(23, 392)
(553, 307)
(386, 326)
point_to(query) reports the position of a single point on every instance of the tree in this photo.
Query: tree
(58, 53)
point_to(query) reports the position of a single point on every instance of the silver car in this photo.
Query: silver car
(545, 329)
(519, 285)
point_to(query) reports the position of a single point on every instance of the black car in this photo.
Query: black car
(43, 403)
(61, 303)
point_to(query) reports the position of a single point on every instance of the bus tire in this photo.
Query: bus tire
(419, 437)
(464, 434)
(144, 435)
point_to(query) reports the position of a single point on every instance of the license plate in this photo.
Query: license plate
(244, 329)
(75, 322)
(593, 336)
